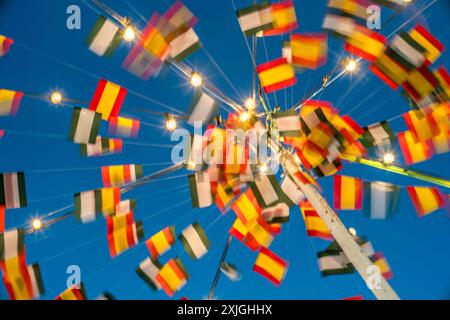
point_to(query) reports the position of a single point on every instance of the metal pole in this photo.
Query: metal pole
(340, 233)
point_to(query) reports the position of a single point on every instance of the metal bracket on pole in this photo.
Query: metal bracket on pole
(340, 233)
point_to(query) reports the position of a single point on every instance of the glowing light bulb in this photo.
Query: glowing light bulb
(196, 80)
(351, 65)
(244, 116)
(171, 123)
(388, 158)
(56, 97)
(250, 104)
(352, 231)
(129, 34)
(36, 224)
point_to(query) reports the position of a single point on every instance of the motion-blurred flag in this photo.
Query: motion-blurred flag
(276, 74)
(315, 226)
(224, 195)
(239, 231)
(148, 270)
(123, 233)
(381, 199)
(270, 266)
(124, 207)
(12, 190)
(105, 296)
(332, 262)
(104, 38)
(74, 293)
(441, 143)
(102, 146)
(276, 214)
(142, 63)
(200, 187)
(230, 271)
(378, 134)
(90, 203)
(184, 45)
(24, 285)
(84, 126)
(328, 168)
(380, 261)
(365, 43)
(284, 18)
(414, 152)
(2, 133)
(286, 51)
(12, 245)
(420, 83)
(161, 242)
(108, 99)
(392, 68)
(9, 102)
(288, 123)
(266, 189)
(343, 15)
(260, 231)
(115, 176)
(172, 276)
(293, 195)
(5, 45)
(393, 4)
(203, 108)
(180, 16)
(409, 49)
(309, 50)
(433, 46)
(255, 18)
(443, 78)
(124, 127)
(426, 200)
(194, 240)
(359, 297)
(347, 193)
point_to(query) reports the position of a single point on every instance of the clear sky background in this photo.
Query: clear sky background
(35, 142)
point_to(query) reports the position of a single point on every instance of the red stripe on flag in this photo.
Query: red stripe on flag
(118, 103)
(404, 148)
(415, 199)
(271, 64)
(337, 192)
(380, 74)
(267, 275)
(435, 42)
(2, 218)
(280, 85)
(105, 177)
(358, 194)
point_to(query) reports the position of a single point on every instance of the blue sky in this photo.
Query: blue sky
(35, 142)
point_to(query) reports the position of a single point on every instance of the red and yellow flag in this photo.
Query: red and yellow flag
(161, 242)
(414, 152)
(365, 43)
(426, 200)
(315, 226)
(172, 276)
(433, 46)
(246, 207)
(270, 266)
(309, 50)
(283, 17)
(108, 99)
(73, 293)
(347, 193)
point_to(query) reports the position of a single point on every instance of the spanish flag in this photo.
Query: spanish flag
(270, 266)
(172, 276)
(276, 74)
(444, 81)
(74, 293)
(9, 102)
(224, 195)
(124, 127)
(115, 176)
(433, 46)
(441, 143)
(161, 242)
(246, 207)
(108, 99)
(284, 18)
(309, 50)
(347, 193)
(315, 226)
(426, 200)
(380, 261)
(5, 45)
(102, 146)
(414, 152)
(365, 43)
(420, 83)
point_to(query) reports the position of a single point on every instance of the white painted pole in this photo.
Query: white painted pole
(340, 233)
